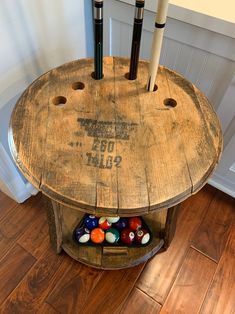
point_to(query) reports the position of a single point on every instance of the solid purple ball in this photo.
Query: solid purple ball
(121, 224)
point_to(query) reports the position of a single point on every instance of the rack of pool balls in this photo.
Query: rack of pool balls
(121, 231)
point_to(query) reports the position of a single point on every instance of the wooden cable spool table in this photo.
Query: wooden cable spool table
(108, 147)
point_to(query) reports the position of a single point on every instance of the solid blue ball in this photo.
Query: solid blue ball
(91, 222)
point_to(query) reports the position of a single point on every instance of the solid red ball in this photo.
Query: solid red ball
(135, 223)
(127, 236)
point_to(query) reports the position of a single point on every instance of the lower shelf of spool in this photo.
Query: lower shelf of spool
(112, 257)
(63, 220)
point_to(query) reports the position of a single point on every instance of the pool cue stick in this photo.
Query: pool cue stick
(136, 39)
(98, 36)
(157, 43)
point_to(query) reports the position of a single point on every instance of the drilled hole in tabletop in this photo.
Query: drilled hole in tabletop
(155, 88)
(78, 86)
(59, 100)
(93, 76)
(127, 76)
(170, 102)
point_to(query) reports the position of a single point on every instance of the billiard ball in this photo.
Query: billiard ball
(104, 223)
(127, 236)
(112, 235)
(135, 223)
(97, 235)
(113, 220)
(91, 222)
(142, 236)
(121, 224)
(82, 235)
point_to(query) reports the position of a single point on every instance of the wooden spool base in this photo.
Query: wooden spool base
(109, 147)
(63, 221)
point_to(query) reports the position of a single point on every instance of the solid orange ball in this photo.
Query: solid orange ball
(97, 235)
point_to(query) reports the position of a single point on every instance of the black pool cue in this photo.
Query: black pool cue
(136, 39)
(98, 36)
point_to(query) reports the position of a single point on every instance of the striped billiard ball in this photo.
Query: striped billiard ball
(113, 220)
(104, 223)
(112, 235)
(82, 235)
(142, 236)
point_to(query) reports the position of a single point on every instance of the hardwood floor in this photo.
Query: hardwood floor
(195, 275)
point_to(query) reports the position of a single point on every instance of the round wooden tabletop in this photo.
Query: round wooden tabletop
(111, 147)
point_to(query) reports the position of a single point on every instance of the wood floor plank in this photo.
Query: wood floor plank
(6, 204)
(191, 285)
(74, 288)
(32, 290)
(112, 290)
(220, 297)
(13, 267)
(160, 273)
(15, 223)
(46, 309)
(140, 303)
(212, 234)
(68, 284)
(35, 239)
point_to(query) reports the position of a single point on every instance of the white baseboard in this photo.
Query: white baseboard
(11, 182)
(223, 184)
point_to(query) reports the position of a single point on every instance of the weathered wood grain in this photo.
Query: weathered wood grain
(220, 297)
(166, 164)
(140, 303)
(54, 217)
(160, 273)
(110, 146)
(191, 285)
(170, 227)
(106, 179)
(212, 234)
(131, 175)
(206, 141)
(13, 267)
